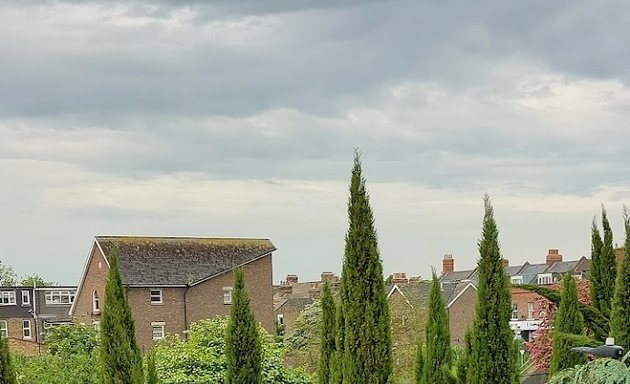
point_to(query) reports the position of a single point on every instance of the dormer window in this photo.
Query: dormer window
(26, 298)
(545, 279)
(516, 279)
(7, 298)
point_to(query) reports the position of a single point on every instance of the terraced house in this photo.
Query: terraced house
(173, 281)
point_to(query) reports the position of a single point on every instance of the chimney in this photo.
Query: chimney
(399, 277)
(291, 279)
(619, 254)
(505, 263)
(553, 257)
(448, 264)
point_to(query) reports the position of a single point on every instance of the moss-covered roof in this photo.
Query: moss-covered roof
(180, 260)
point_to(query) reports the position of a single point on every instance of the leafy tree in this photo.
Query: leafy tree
(242, 342)
(7, 373)
(36, 280)
(327, 343)
(607, 268)
(599, 371)
(201, 358)
(151, 371)
(46, 368)
(306, 328)
(7, 276)
(595, 273)
(121, 361)
(367, 355)
(492, 337)
(568, 320)
(620, 316)
(71, 339)
(437, 359)
(464, 361)
(419, 366)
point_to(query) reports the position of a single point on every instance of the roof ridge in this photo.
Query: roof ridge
(176, 237)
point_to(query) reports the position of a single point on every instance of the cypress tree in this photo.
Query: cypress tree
(243, 350)
(336, 366)
(491, 361)
(419, 365)
(608, 267)
(568, 320)
(437, 359)
(7, 373)
(595, 278)
(620, 316)
(462, 364)
(151, 371)
(121, 362)
(327, 346)
(367, 355)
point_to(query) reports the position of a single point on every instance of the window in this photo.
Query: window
(59, 297)
(7, 298)
(96, 304)
(516, 279)
(530, 311)
(157, 330)
(280, 319)
(26, 297)
(227, 295)
(156, 296)
(544, 279)
(26, 329)
(4, 331)
(514, 311)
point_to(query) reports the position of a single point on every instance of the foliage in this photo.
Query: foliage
(306, 327)
(243, 351)
(463, 358)
(36, 280)
(7, 276)
(71, 339)
(367, 350)
(7, 371)
(492, 336)
(46, 368)
(337, 367)
(595, 274)
(599, 371)
(201, 359)
(620, 316)
(568, 320)
(327, 338)
(437, 359)
(151, 370)
(121, 362)
(419, 366)
(607, 268)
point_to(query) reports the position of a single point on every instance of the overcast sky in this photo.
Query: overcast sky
(238, 119)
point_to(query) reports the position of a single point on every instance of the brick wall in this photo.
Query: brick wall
(522, 298)
(15, 330)
(461, 315)
(95, 279)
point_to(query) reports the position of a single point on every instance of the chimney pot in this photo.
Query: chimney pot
(553, 256)
(448, 264)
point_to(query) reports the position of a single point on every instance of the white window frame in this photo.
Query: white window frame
(280, 318)
(544, 279)
(227, 295)
(159, 325)
(4, 329)
(26, 294)
(7, 298)
(516, 279)
(530, 310)
(26, 329)
(159, 296)
(96, 302)
(514, 311)
(56, 297)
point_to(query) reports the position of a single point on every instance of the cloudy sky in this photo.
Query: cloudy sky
(239, 119)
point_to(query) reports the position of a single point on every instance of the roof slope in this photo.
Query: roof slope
(180, 260)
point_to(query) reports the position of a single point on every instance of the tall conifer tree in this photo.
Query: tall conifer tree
(607, 267)
(336, 367)
(568, 320)
(151, 371)
(121, 362)
(437, 359)
(328, 347)
(419, 363)
(7, 373)
(620, 316)
(491, 360)
(595, 278)
(243, 350)
(367, 355)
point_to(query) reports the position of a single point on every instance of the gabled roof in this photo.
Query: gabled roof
(416, 294)
(164, 261)
(457, 291)
(458, 275)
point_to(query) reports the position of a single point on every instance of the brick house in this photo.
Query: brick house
(526, 313)
(173, 281)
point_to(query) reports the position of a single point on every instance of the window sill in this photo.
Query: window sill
(156, 303)
(96, 312)
(27, 338)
